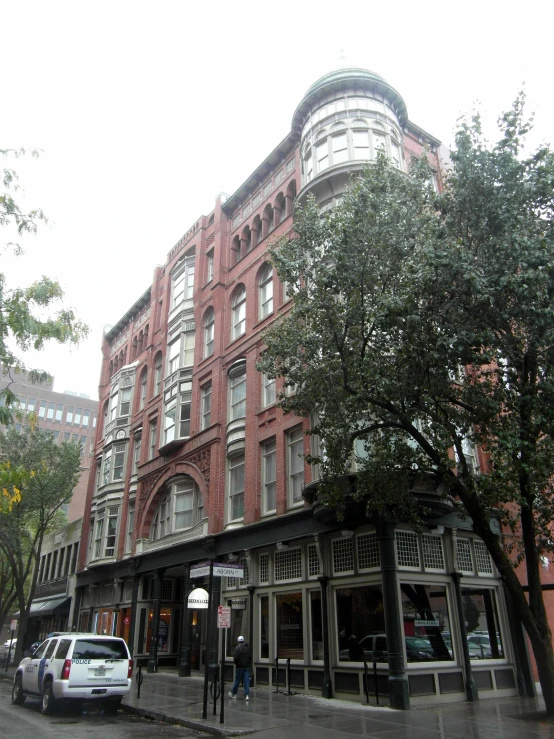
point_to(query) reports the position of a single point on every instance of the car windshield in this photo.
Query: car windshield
(100, 649)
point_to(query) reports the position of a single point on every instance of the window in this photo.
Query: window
(427, 608)
(269, 476)
(98, 534)
(111, 531)
(210, 266)
(239, 313)
(82, 441)
(188, 349)
(268, 390)
(152, 440)
(180, 508)
(361, 144)
(136, 455)
(50, 412)
(158, 374)
(184, 420)
(483, 627)
(183, 284)
(237, 391)
(113, 402)
(236, 487)
(340, 148)
(143, 384)
(69, 415)
(361, 624)
(169, 422)
(118, 461)
(173, 352)
(86, 418)
(295, 444)
(107, 466)
(98, 472)
(209, 333)
(308, 165)
(130, 527)
(175, 360)
(290, 629)
(266, 291)
(42, 409)
(206, 406)
(77, 418)
(322, 155)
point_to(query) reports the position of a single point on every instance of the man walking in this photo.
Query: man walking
(242, 658)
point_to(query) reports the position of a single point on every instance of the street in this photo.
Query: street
(23, 722)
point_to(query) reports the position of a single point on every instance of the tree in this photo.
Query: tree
(49, 473)
(24, 318)
(431, 318)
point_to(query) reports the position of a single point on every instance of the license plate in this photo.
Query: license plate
(100, 672)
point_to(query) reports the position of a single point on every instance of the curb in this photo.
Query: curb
(187, 723)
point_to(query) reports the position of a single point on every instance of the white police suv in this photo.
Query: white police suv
(75, 667)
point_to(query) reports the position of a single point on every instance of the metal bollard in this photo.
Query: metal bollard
(366, 675)
(140, 678)
(289, 691)
(376, 683)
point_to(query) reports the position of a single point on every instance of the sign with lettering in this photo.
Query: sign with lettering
(228, 570)
(422, 622)
(238, 604)
(198, 598)
(200, 570)
(223, 617)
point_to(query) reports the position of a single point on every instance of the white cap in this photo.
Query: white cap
(241, 638)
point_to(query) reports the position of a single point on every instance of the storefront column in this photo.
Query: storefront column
(77, 599)
(399, 694)
(251, 591)
(134, 599)
(525, 682)
(212, 645)
(92, 601)
(156, 604)
(327, 686)
(472, 693)
(184, 666)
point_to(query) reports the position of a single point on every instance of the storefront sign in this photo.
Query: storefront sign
(238, 604)
(198, 598)
(223, 617)
(227, 570)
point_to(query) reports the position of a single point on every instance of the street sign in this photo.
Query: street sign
(13, 625)
(223, 617)
(227, 570)
(201, 571)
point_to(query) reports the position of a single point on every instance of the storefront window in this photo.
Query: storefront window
(290, 632)
(360, 620)
(426, 623)
(264, 627)
(163, 630)
(482, 627)
(239, 627)
(317, 624)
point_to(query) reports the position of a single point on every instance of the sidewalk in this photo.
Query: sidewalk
(178, 700)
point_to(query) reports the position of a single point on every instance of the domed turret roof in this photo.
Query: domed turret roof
(355, 80)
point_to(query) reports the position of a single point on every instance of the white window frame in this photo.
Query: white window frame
(268, 390)
(206, 417)
(236, 489)
(130, 527)
(295, 465)
(269, 476)
(237, 393)
(182, 287)
(152, 440)
(238, 313)
(118, 462)
(182, 497)
(265, 292)
(136, 452)
(158, 370)
(209, 332)
(209, 266)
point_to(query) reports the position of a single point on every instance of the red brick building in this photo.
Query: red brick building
(194, 462)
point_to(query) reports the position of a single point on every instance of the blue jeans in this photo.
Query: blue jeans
(243, 674)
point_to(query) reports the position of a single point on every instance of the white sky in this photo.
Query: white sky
(147, 110)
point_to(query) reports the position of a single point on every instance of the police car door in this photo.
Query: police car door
(30, 672)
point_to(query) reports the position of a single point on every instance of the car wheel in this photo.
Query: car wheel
(48, 699)
(111, 706)
(17, 691)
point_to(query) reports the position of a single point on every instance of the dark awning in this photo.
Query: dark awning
(49, 606)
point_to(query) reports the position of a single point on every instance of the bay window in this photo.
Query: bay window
(180, 508)
(236, 487)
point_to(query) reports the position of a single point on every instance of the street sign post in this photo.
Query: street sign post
(226, 569)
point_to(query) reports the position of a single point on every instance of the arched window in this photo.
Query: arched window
(238, 313)
(246, 241)
(265, 291)
(158, 371)
(235, 250)
(209, 333)
(269, 219)
(257, 230)
(280, 208)
(134, 350)
(180, 508)
(143, 385)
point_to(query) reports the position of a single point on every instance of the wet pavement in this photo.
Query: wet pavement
(165, 696)
(175, 699)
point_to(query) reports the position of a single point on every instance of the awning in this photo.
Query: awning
(48, 606)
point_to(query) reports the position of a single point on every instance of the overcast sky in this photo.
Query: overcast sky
(145, 111)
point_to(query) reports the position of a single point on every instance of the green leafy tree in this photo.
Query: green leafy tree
(29, 316)
(422, 325)
(51, 473)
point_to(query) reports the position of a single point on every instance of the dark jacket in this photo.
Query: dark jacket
(242, 656)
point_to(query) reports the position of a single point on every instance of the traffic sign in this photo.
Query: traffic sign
(223, 617)
(200, 571)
